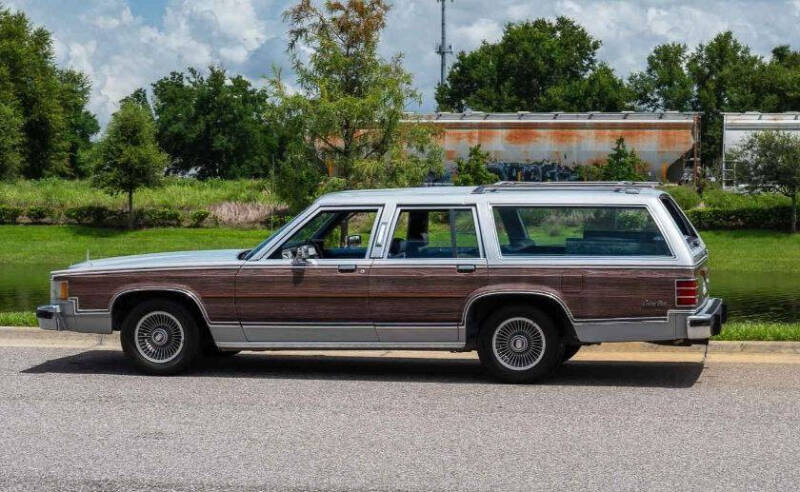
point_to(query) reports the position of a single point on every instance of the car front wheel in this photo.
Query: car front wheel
(160, 337)
(519, 344)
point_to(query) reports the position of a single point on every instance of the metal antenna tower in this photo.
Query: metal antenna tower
(443, 49)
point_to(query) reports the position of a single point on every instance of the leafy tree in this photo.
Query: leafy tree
(50, 102)
(81, 124)
(10, 130)
(777, 82)
(623, 164)
(474, 171)
(139, 96)
(770, 160)
(722, 71)
(213, 125)
(128, 157)
(348, 114)
(537, 66)
(665, 84)
(601, 90)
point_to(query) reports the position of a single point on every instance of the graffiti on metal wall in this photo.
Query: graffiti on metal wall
(521, 171)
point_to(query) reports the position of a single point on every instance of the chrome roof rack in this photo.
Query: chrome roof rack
(628, 186)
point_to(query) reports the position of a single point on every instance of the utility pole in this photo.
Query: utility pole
(443, 49)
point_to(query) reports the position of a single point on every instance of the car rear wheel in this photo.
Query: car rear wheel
(519, 344)
(160, 337)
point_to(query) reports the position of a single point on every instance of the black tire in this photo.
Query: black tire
(169, 337)
(526, 328)
(569, 352)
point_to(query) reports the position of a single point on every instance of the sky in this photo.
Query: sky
(126, 44)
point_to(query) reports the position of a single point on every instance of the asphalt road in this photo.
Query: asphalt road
(80, 419)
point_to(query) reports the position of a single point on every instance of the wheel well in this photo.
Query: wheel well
(484, 306)
(125, 302)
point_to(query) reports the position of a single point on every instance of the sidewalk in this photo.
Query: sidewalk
(756, 352)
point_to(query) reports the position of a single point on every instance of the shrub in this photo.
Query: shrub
(198, 217)
(778, 218)
(729, 200)
(159, 217)
(89, 215)
(9, 215)
(37, 215)
(686, 197)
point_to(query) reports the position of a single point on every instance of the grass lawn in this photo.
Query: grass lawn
(64, 245)
(753, 251)
(751, 330)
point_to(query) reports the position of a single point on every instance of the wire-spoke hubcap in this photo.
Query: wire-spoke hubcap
(518, 344)
(159, 337)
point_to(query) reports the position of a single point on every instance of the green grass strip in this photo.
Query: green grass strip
(760, 331)
(18, 319)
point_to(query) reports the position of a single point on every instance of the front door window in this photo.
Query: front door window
(334, 234)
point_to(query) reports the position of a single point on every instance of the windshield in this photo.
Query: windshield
(265, 241)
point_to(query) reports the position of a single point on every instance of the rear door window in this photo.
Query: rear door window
(578, 231)
(434, 233)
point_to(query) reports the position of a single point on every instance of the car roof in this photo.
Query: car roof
(552, 192)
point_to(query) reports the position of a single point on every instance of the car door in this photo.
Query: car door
(418, 287)
(323, 298)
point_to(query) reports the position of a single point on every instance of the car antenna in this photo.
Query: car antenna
(88, 260)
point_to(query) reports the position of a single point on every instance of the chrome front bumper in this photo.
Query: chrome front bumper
(707, 321)
(50, 318)
(62, 316)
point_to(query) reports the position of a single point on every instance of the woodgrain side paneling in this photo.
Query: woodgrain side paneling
(214, 288)
(310, 293)
(422, 294)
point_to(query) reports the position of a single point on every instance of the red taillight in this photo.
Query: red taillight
(686, 292)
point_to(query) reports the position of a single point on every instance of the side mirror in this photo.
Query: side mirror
(353, 240)
(300, 255)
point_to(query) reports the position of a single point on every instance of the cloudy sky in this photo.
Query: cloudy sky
(125, 44)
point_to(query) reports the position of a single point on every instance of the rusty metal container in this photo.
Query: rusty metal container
(549, 146)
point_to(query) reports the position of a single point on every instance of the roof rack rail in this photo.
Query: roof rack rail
(554, 185)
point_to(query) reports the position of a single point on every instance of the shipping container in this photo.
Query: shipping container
(736, 127)
(549, 146)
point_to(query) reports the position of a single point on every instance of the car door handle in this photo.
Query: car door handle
(347, 268)
(465, 268)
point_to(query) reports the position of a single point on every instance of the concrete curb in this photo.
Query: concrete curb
(30, 336)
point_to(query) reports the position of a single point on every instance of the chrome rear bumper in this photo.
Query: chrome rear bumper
(707, 321)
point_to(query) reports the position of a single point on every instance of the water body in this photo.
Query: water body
(750, 296)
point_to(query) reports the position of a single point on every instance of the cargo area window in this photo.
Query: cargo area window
(434, 233)
(681, 221)
(578, 231)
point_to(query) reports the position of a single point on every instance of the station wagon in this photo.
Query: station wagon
(524, 273)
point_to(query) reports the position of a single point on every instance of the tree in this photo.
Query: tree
(770, 160)
(213, 125)
(128, 157)
(10, 130)
(665, 85)
(81, 124)
(49, 102)
(536, 66)
(623, 164)
(722, 71)
(348, 115)
(474, 171)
